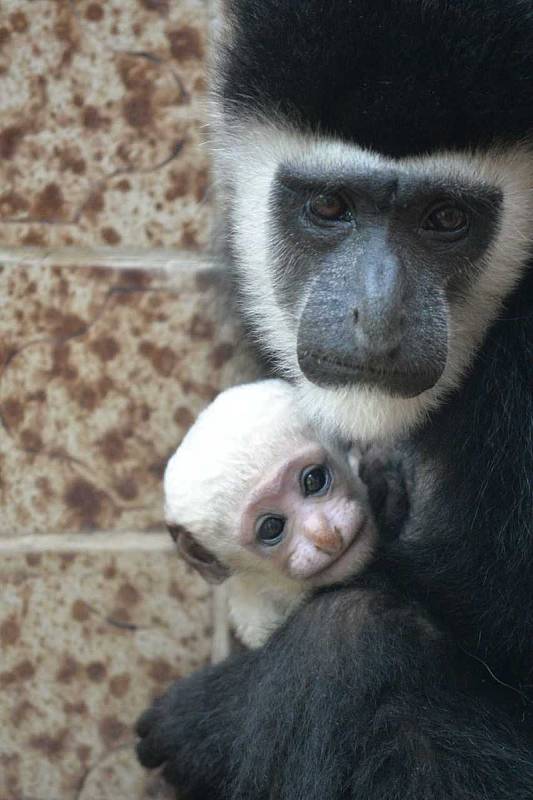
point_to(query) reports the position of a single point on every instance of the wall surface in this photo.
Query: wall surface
(111, 341)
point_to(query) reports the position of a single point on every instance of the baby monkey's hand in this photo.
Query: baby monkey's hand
(382, 470)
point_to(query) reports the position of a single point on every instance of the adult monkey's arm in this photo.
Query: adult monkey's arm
(356, 697)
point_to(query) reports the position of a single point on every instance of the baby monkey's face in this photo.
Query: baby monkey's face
(309, 518)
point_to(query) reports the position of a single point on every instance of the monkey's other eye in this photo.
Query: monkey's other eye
(269, 530)
(328, 207)
(315, 481)
(446, 219)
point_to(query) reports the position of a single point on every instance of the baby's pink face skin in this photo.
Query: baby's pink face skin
(325, 538)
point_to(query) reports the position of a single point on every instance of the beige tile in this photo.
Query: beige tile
(118, 776)
(102, 370)
(89, 634)
(106, 357)
(102, 115)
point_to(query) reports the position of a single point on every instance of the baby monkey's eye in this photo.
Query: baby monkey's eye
(315, 480)
(269, 530)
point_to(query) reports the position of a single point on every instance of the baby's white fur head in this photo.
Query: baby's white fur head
(222, 456)
(252, 461)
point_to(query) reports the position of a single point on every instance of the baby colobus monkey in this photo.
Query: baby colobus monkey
(254, 496)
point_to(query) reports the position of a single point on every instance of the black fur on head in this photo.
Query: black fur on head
(403, 77)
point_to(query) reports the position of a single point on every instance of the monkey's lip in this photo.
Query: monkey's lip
(350, 545)
(323, 370)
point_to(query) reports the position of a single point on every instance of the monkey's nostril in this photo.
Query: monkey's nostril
(328, 541)
(355, 315)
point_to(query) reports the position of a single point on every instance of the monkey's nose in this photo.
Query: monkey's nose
(326, 539)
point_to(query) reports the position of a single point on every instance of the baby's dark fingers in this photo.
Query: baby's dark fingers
(149, 753)
(145, 722)
(151, 750)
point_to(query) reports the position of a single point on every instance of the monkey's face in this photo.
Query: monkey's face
(309, 519)
(372, 281)
(376, 258)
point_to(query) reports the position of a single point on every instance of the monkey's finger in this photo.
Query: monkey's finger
(173, 775)
(145, 722)
(149, 753)
(151, 747)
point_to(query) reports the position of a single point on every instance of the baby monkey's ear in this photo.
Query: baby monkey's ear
(200, 559)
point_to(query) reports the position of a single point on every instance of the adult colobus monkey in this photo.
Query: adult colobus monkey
(378, 163)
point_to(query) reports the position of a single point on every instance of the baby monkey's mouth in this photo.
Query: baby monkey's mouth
(347, 561)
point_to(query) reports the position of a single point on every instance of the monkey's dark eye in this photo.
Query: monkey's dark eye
(315, 480)
(269, 530)
(328, 207)
(447, 219)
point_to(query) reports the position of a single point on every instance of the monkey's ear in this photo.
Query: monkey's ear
(200, 559)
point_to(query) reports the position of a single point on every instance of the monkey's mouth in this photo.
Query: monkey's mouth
(327, 370)
(347, 562)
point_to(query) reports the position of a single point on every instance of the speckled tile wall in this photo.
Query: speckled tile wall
(111, 341)
(88, 635)
(101, 120)
(103, 369)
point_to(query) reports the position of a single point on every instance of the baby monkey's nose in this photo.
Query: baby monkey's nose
(326, 539)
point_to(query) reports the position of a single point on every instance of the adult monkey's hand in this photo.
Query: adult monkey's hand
(361, 670)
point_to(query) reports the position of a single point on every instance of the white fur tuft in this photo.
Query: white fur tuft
(237, 438)
(223, 455)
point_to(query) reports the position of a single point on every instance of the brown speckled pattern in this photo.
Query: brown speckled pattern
(102, 370)
(87, 639)
(102, 115)
(104, 364)
(112, 339)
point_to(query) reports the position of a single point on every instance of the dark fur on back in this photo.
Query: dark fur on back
(350, 68)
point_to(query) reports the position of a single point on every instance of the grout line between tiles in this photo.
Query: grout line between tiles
(101, 542)
(157, 259)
